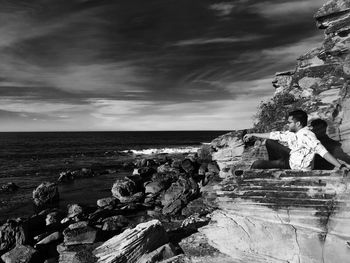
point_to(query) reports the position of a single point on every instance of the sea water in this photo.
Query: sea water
(30, 158)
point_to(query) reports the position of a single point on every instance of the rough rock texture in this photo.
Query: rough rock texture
(275, 216)
(12, 233)
(130, 245)
(79, 233)
(321, 77)
(45, 194)
(178, 195)
(20, 254)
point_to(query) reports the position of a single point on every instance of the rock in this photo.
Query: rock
(115, 223)
(108, 201)
(144, 172)
(66, 176)
(123, 189)
(178, 195)
(20, 254)
(154, 187)
(138, 180)
(164, 252)
(56, 236)
(203, 169)
(77, 253)
(79, 233)
(74, 210)
(9, 187)
(129, 246)
(213, 168)
(101, 213)
(12, 233)
(204, 153)
(53, 218)
(188, 166)
(166, 168)
(46, 194)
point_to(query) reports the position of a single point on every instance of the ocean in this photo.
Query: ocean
(30, 158)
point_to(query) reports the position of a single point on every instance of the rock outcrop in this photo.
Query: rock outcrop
(320, 80)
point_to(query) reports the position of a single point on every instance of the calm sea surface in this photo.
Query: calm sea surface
(30, 158)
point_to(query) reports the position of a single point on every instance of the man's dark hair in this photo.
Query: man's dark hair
(299, 115)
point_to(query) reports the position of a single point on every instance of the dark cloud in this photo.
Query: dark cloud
(154, 52)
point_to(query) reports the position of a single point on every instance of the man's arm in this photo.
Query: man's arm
(333, 161)
(258, 135)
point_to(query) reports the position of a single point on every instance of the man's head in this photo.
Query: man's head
(297, 120)
(319, 127)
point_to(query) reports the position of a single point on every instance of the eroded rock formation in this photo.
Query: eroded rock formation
(321, 77)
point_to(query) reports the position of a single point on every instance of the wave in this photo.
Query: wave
(187, 149)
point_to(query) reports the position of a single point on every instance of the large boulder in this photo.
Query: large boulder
(20, 254)
(122, 189)
(132, 244)
(12, 233)
(178, 195)
(46, 194)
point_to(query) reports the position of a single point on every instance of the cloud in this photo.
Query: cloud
(270, 9)
(221, 40)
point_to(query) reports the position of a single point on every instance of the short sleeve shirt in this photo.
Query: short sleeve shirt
(303, 145)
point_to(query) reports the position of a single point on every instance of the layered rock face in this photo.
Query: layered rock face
(321, 77)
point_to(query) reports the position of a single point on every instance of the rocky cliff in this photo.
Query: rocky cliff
(321, 77)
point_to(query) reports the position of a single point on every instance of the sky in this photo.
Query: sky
(90, 65)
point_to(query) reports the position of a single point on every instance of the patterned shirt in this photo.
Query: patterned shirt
(303, 145)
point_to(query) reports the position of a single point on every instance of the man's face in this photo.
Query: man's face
(292, 125)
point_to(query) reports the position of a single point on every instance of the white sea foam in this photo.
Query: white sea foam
(164, 150)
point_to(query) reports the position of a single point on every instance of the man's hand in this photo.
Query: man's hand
(247, 137)
(343, 168)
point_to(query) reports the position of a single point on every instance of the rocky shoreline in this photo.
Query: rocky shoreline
(147, 212)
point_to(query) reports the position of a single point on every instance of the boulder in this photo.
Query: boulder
(115, 223)
(166, 168)
(132, 244)
(122, 189)
(164, 252)
(46, 194)
(178, 195)
(77, 253)
(75, 210)
(108, 201)
(20, 254)
(79, 233)
(154, 187)
(12, 233)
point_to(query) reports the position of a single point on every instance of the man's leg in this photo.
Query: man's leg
(277, 151)
(278, 157)
(265, 164)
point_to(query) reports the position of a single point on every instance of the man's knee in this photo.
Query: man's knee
(258, 164)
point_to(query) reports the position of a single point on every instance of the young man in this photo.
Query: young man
(302, 146)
